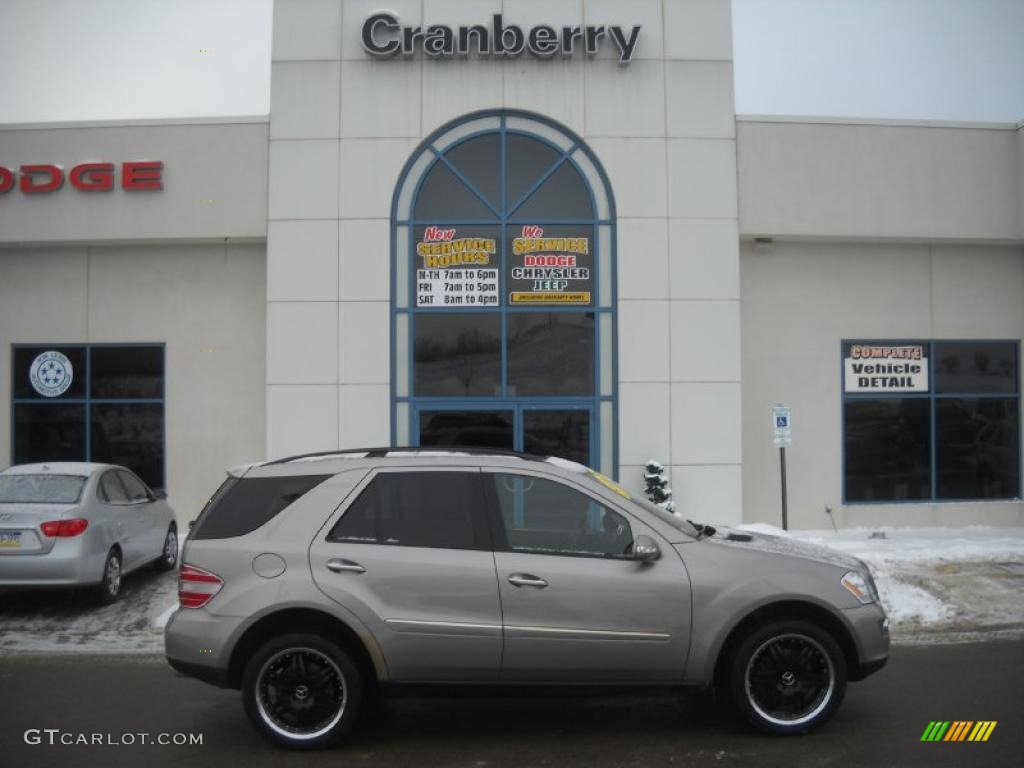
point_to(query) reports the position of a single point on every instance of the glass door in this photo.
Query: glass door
(545, 430)
(479, 427)
(558, 432)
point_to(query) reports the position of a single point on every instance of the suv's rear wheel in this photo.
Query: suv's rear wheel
(302, 691)
(787, 677)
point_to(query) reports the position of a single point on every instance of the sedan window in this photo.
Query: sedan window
(40, 489)
(136, 490)
(112, 490)
(546, 517)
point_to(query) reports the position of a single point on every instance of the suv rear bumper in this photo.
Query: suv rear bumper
(198, 644)
(211, 675)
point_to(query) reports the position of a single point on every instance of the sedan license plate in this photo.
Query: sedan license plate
(10, 539)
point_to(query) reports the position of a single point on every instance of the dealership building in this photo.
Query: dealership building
(528, 225)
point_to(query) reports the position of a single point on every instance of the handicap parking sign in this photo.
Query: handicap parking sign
(782, 431)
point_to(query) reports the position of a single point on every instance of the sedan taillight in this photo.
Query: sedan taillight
(196, 586)
(63, 528)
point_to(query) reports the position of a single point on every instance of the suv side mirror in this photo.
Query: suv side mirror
(645, 549)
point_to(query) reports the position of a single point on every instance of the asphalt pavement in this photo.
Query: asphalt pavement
(119, 698)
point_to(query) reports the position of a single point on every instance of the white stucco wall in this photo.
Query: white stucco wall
(204, 302)
(183, 266)
(799, 301)
(849, 180)
(214, 182)
(342, 125)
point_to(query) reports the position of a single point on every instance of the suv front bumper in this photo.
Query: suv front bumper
(870, 628)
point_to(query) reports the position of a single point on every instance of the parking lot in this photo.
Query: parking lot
(62, 621)
(880, 723)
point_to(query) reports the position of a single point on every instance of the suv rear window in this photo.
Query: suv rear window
(241, 505)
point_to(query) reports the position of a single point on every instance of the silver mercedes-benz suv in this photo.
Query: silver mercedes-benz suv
(309, 581)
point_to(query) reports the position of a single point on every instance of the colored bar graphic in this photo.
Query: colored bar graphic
(935, 730)
(958, 730)
(982, 730)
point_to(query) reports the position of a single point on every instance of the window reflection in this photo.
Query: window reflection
(457, 354)
(887, 450)
(551, 353)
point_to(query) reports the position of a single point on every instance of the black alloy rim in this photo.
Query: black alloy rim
(301, 693)
(790, 679)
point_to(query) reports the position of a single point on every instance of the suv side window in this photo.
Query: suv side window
(136, 490)
(241, 505)
(444, 510)
(546, 517)
(111, 489)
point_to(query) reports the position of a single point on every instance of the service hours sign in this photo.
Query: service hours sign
(455, 270)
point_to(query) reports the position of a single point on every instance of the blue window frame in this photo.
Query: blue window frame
(90, 402)
(521, 355)
(931, 421)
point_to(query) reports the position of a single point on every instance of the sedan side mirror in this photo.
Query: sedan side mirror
(160, 493)
(645, 549)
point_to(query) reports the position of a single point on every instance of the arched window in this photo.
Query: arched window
(503, 292)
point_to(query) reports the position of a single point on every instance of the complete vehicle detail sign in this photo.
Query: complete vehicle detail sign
(383, 37)
(880, 368)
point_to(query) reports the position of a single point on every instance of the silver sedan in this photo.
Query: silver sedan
(66, 524)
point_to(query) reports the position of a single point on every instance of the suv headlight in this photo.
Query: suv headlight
(860, 587)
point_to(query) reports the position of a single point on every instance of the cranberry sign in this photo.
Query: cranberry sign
(42, 178)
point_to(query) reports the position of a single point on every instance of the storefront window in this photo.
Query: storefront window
(102, 403)
(931, 421)
(503, 237)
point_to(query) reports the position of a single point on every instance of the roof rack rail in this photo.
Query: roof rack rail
(377, 453)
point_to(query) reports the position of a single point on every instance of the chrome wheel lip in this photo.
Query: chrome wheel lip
(825, 698)
(282, 730)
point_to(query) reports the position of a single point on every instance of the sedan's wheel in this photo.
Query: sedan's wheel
(169, 556)
(302, 691)
(110, 587)
(788, 677)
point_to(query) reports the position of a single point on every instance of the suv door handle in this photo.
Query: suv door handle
(340, 565)
(527, 580)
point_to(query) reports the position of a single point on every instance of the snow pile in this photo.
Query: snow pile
(922, 545)
(907, 603)
(764, 528)
(70, 621)
(953, 583)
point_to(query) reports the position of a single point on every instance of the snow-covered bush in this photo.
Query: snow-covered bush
(657, 488)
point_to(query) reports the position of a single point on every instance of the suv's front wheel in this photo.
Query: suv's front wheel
(787, 677)
(302, 691)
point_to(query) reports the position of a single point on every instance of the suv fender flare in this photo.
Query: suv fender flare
(293, 615)
(708, 669)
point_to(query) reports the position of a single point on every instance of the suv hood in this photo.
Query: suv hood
(780, 545)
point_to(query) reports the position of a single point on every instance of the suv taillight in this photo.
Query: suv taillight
(196, 586)
(63, 528)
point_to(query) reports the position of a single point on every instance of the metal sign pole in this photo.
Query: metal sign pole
(782, 468)
(782, 426)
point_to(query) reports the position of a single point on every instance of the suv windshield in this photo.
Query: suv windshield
(659, 512)
(40, 489)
